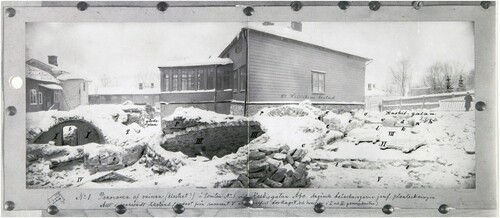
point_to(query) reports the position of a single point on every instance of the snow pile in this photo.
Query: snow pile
(200, 116)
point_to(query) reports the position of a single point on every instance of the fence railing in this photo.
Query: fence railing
(419, 102)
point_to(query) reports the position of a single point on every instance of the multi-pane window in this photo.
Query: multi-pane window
(191, 80)
(184, 81)
(167, 82)
(210, 78)
(318, 82)
(220, 80)
(40, 98)
(243, 78)
(33, 96)
(235, 80)
(175, 81)
(227, 80)
(201, 79)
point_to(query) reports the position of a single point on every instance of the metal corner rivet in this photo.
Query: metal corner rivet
(480, 106)
(296, 5)
(12, 110)
(485, 4)
(178, 208)
(374, 5)
(387, 209)
(319, 208)
(444, 209)
(82, 6)
(52, 210)
(162, 6)
(417, 5)
(248, 11)
(9, 205)
(344, 5)
(120, 209)
(247, 201)
(10, 12)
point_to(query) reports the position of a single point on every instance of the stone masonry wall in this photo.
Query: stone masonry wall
(212, 139)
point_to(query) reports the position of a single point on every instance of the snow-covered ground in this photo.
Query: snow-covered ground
(362, 149)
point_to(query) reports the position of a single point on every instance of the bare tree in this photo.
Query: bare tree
(105, 80)
(442, 77)
(148, 79)
(401, 76)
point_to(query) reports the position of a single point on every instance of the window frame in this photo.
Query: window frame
(242, 79)
(166, 79)
(40, 98)
(236, 81)
(320, 85)
(175, 81)
(33, 97)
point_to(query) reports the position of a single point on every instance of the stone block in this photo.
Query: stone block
(273, 184)
(279, 175)
(255, 155)
(244, 180)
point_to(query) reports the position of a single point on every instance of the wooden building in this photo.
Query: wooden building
(266, 66)
(50, 88)
(141, 95)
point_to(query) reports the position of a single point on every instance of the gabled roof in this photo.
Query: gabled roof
(288, 33)
(54, 70)
(40, 75)
(197, 62)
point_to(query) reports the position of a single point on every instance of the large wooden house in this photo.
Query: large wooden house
(50, 88)
(266, 66)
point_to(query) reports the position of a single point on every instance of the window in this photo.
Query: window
(56, 96)
(152, 85)
(83, 86)
(33, 96)
(191, 80)
(227, 79)
(201, 80)
(175, 81)
(235, 80)
(220, 79)
(318, 82)
(210, 79)
(167, 82)
(184, 81)
(40, 98)
(243, 78)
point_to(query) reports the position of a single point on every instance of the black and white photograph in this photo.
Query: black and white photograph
(250, 105)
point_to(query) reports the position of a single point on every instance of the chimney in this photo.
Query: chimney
(140, 86)
(297, 26)
(53, 60)
(369, 86)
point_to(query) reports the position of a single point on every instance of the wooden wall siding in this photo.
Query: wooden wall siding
(280, 66)
(48, 97)
(239, 59)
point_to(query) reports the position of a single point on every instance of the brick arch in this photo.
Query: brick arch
(86, 133)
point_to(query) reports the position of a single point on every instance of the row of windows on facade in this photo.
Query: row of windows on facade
(128, 97)
(36, 97)
(203, 79)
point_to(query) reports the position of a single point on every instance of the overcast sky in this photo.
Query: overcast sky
(123, 50)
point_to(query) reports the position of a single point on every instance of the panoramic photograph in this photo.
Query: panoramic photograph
(250, 105)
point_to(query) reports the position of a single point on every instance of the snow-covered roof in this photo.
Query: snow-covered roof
(123, 91)
(40, 75)
(67, 76)
(197, 62)
(51, 86)
(287, 32)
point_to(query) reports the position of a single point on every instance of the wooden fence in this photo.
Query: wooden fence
(419, 102)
